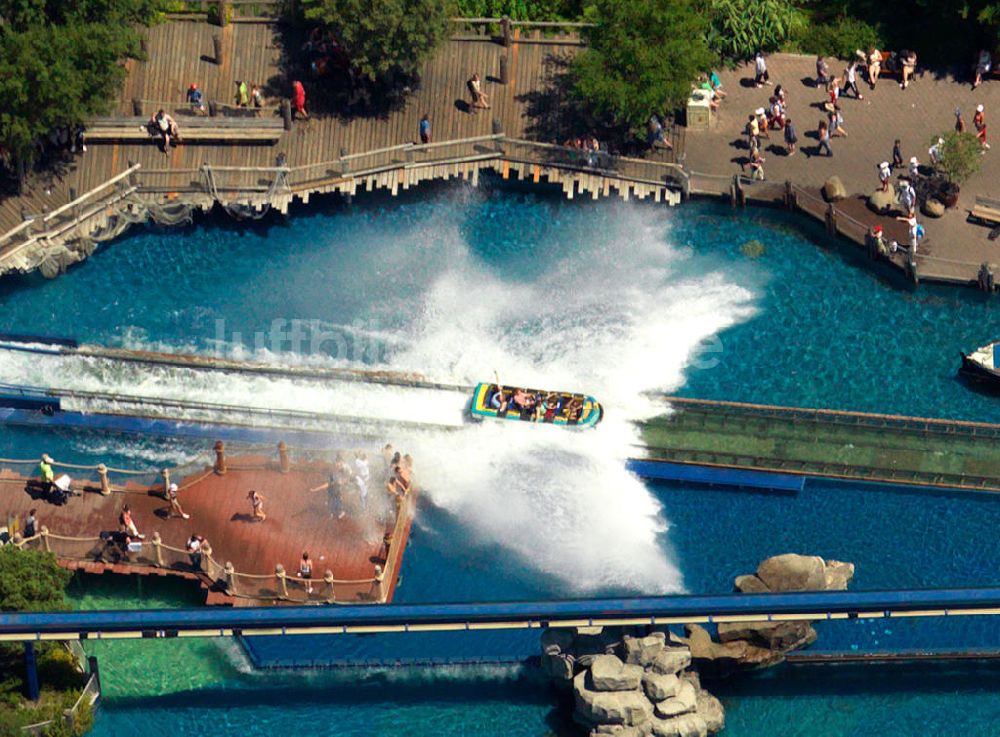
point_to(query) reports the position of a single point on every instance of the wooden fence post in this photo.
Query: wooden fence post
(45, 539)
(137, 107)
(789, 195)
(223, 12)
(220, 458)
(279, 573)
(165, 473)
(331, 595)
(503, 69)
(230, 578)
(505, 30)
(283, 457)
(157, 549)
(831, 219)
(286, 113)
(217, 49)
(102, 471)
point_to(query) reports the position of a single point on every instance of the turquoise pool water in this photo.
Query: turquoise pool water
(609, 297)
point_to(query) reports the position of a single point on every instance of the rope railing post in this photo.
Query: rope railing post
(331, 595)
(230, 576)
(102, 471)
(283, 463)
(220, 458)
(165, 473)
(831, 219)
(207, 550)
(282, 577)
(157, 549)
(45, 539)
(505, 31)
(377, 593)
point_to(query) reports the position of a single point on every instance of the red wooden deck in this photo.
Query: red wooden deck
(297, 520)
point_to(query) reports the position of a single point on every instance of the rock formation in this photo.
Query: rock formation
(642, 681)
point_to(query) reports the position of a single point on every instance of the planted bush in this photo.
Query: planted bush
(839, 38)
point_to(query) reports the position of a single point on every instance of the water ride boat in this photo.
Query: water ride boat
(983, 365)
(534, 405)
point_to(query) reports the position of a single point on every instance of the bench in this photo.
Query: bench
(986, 211)
(220, 129)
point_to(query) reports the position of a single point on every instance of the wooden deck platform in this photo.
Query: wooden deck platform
(298, 520)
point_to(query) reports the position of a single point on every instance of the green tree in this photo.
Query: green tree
(31, 581)
(641, 58)
(741, 28)
(385, 37)
(960, 157)
(60, 63)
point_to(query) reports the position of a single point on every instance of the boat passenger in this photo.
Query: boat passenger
(551, 407)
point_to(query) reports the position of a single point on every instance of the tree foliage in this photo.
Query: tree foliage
(543, 10)
(960, 157)
(60, 63)
(31, 581)
(740, 28)
(840, 37)
(641, 58)
(387, 37)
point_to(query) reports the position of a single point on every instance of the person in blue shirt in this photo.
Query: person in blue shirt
(425, 129)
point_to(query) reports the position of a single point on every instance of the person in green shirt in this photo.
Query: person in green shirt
(242, 94)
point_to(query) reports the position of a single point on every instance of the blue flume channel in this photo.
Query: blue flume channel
(821, 329)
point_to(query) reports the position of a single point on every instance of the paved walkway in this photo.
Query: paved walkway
(913, 115)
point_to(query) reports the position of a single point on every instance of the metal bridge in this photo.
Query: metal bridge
(413, 618)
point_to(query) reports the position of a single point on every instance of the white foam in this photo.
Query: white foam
(619, 313)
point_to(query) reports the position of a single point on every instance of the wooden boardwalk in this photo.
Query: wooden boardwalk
(298, 520)
(181, 52)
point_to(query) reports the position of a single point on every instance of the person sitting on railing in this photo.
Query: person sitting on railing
(194, 97)
(163, 125)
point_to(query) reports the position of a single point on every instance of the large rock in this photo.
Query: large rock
(684, 702)
(792, 572)
(688, 725)
(660, 686)
(672, 660)
(619, 730)
(782, 636)
(838, 575)
(556, 640)
(883, 202)
(834, 189)
(630, 708)
(642, 650)
(710, 710)
(609, 673)
(750, 584)
(559, 666)
(719, 660)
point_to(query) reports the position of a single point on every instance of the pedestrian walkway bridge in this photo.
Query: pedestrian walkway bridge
(856, 446)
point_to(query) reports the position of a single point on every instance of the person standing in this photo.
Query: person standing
(916, 230)
(756, 166)
(362, 476)
(837, 122)
(306, 572)
(242, 94)
(851, 80)
(979, 121)
(175, 503)
(299, 99)
(753, 132)
(884, 174)
(791, 138)
(257, 96)
(822, 73)
(897, 154)
(194, 98)
(907, 197)
(823, 134)
(31, 524)
(46, 472)
(425, 129)
(761, 77)
(959, 121)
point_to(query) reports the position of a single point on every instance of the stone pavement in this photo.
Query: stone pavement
(953, 247)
